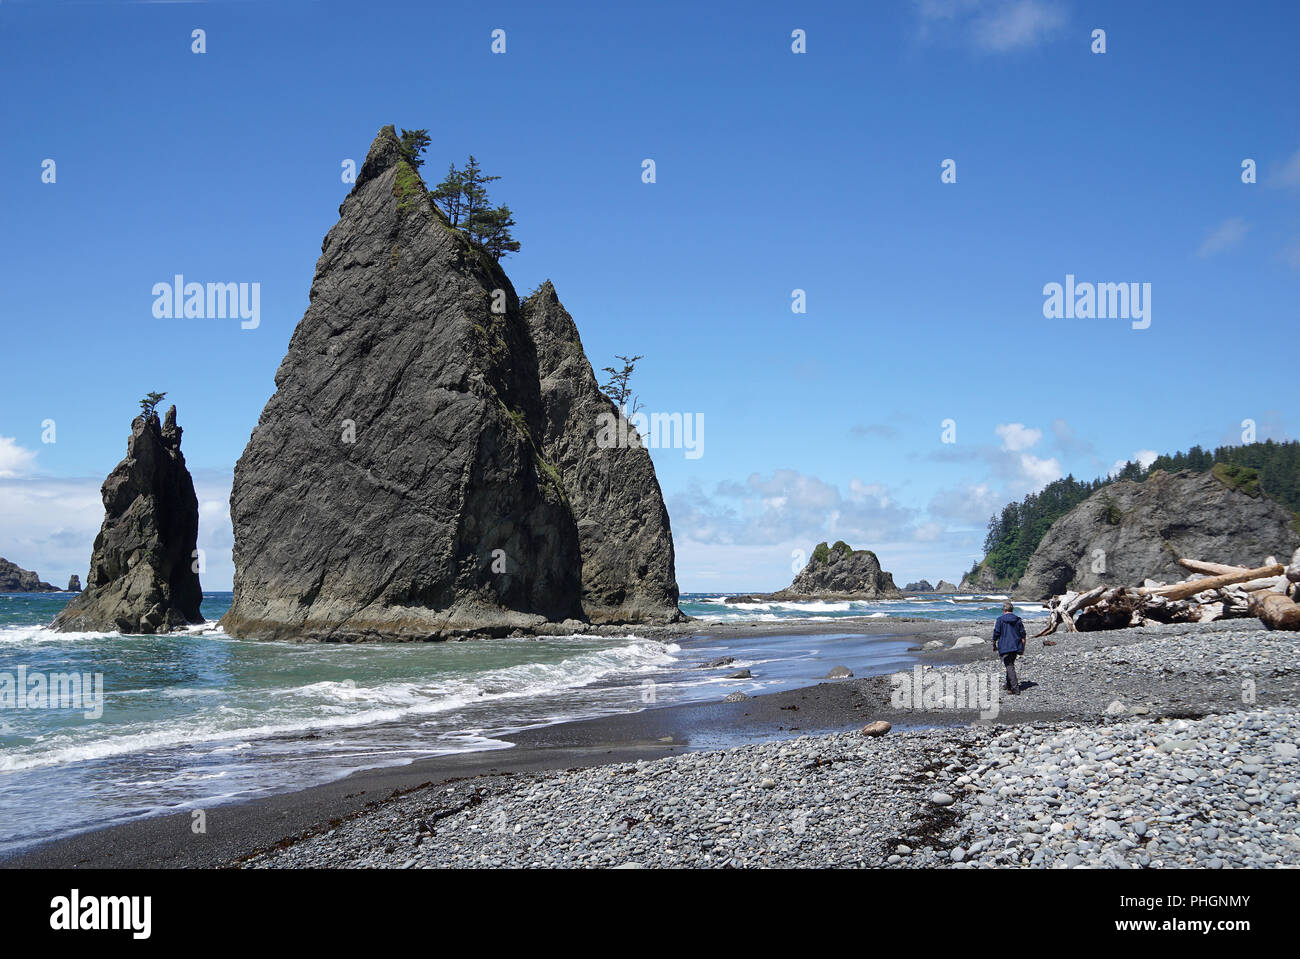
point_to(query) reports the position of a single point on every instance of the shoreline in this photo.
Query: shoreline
(166, 840)
(1067, 685)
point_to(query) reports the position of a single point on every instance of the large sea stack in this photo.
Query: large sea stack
(428, 466)
(142, 577)
(1130, 531)
(15, 579)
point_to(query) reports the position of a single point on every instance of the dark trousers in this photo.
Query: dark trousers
(1013, 684)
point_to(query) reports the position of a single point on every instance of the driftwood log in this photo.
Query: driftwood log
(1270, 592)
(1196, 566)
(1276, 611)
(1066, 606)
(1183, 590)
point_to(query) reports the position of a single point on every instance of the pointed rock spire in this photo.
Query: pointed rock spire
(142, 570)
(418, 474)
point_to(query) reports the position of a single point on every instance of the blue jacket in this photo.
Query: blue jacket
(1009, 634)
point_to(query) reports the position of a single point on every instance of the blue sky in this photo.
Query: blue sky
(775, 171)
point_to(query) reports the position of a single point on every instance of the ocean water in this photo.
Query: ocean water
(196, 718)
(945, 606)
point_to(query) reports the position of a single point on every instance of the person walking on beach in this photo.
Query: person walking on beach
(1009, 642)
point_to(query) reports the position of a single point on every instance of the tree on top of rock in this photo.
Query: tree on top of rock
(463, 197)
(619, 389)
(149, 405)
(414, 143)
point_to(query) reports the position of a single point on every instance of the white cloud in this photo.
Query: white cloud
(1038, 472)
(51, 523)
(1016, 471)
(931, 10)
(928, 532)
(1143, 458)
(882, 430)
(1069, 442)
(1017, 436)
(14, 459)
(1223, 237)
(1017, 24)
(721, 568)
(969, 505)
(994, 26)
(789, 506)
(861, 492)
(1290, 254)
(1288, 174)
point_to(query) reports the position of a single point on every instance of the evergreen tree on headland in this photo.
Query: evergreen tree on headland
(1269, 467)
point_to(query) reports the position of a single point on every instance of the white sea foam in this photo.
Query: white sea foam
(38, 634)
(344, 705)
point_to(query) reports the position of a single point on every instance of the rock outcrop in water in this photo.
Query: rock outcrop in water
(843, 572)
(834, 573)
(428, 465)
(74, 584)
(1128, 531)
(945, 587)
(15, 579)
(922, 586)
(142, 577)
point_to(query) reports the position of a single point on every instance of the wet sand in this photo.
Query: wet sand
(240, 828)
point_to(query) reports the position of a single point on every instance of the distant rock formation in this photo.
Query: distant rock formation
(15, 579)
(924, 587)
(983, 581)
(142, 577)
(428, 466)
(834, 573)
(74, 584)
(1128, 531)
(842, 571)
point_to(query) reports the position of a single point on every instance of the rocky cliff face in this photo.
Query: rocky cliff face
(613, 494)
(838, 572)
(982, 582)
(1129, 531)
(15, 579)
(428, 465)
(142, 577)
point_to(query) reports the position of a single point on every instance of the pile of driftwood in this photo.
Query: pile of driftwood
(1269, 592)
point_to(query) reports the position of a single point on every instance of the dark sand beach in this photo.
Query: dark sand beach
(1140, 677)
(238, 828)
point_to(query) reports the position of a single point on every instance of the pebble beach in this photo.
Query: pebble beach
(1168, 746)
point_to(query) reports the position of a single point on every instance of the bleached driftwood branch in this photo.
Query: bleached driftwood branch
(1183, 590)
(1270, 592)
